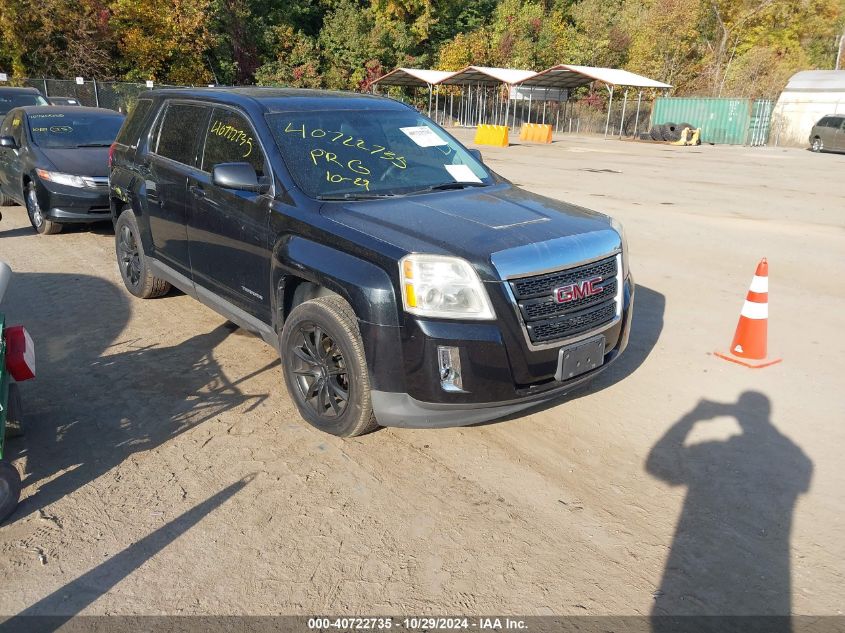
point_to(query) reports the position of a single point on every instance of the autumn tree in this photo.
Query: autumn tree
(165, 40)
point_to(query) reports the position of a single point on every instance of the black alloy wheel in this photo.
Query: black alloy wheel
(320, 369)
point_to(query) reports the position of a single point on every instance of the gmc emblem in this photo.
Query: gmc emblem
(578, 290)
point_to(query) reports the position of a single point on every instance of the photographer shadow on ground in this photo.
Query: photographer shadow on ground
(91, 406)
(730, 555)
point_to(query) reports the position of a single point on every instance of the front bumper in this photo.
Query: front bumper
(65, 204)
(492, 373)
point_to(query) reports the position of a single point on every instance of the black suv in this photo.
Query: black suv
(402, 281)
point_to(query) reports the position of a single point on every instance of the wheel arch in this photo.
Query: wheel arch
(306, 266)
(304, 269)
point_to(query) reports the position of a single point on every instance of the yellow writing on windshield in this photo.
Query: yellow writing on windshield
(342, 138)
(233, 134)
(353, 165)
(358, 182)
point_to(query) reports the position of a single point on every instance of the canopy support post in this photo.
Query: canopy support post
(622, 118)
(637, 120)
(468, 114)
(451, 107)
(609, 105)
(429, 101)
(508, 108)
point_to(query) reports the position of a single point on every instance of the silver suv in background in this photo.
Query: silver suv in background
(829, 134)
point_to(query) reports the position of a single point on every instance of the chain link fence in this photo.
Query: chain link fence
(114, 95)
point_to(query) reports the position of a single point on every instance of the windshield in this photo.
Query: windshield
(363, 153)
(7, 101)
(59, 130)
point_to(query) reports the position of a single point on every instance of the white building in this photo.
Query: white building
(809, 95)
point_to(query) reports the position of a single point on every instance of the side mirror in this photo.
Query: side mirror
(8, 142)
(476, 154)
(238, 176)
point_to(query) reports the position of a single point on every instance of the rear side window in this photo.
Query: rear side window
(825, 122)
(183, 124)
(131, 130)
(231, 140)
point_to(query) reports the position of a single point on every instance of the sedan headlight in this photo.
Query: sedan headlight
(444, 287)
(62, 179)
(617, 226)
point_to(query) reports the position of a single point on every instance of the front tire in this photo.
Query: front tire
(10, 489)
(39, 222)
(325, 369)
(817, 145)
(133, 263)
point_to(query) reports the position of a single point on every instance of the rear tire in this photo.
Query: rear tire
(10, 489)
(14, 414)
(325, 369)
(817, 145)
(132, 262)
(41, 224)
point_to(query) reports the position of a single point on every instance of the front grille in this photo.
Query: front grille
(545, 320)
(571, 324)
(544, 284)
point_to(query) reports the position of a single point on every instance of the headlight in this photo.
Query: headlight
(617, 226)
(441, 286)
(61, 179)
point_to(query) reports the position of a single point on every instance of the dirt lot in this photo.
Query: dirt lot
(167, 471)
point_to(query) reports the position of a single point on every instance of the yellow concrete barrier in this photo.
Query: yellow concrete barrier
(536, 133)
(492, 135)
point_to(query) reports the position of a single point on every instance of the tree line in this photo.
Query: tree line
(706, 47)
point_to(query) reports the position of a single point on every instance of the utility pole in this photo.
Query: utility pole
(839, 51)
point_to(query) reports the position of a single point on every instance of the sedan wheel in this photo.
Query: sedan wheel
(36, 216)
(817, 145)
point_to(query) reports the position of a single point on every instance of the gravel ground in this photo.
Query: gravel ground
(167, 471)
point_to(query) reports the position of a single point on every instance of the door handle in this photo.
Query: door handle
(197, 192)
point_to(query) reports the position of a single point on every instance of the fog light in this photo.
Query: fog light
(449, 361)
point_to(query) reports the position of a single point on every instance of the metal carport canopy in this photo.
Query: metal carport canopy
(483, 75)
(569, 76)
(413, 77)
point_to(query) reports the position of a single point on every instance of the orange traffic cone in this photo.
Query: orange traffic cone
(750, 341)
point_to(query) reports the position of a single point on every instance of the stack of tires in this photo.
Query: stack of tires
(668, 132)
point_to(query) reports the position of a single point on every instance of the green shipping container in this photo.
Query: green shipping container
(723, 121)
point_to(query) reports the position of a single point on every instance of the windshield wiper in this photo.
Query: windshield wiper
(357, 196)
(450, 185)
(95, 145)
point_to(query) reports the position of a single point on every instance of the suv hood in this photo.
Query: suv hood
(469, 223)
(82, 161)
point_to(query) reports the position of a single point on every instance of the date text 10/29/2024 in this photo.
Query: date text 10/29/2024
(421, 623)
